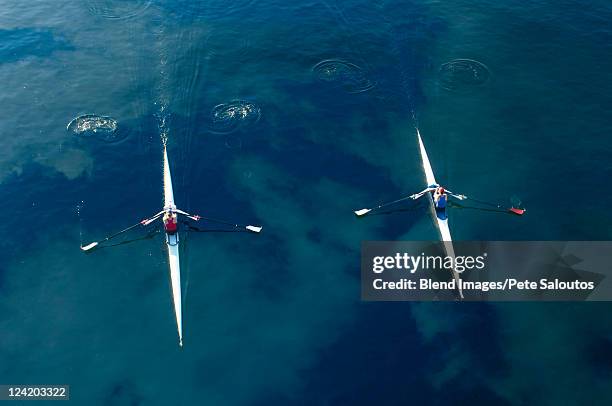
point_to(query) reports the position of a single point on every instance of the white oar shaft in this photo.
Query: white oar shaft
(254, 229)
(140, 223)
(363, 212)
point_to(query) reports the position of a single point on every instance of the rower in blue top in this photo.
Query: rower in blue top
(439, 196)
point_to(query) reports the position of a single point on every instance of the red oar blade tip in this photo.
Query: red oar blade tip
(518, 212)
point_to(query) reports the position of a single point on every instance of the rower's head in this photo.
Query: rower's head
(441, 190)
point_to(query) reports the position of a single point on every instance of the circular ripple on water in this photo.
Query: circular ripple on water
(103, 128)
(346, 75)
(461, 74)
(118, 9)
(229, 117)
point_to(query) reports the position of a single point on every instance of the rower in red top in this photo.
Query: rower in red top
(170, 222)
(440, 198)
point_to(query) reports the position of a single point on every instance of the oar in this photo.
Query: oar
(140, 223)
(193, 228)
(514, 210)
(147, 236)
(254, 229)
(363, 212)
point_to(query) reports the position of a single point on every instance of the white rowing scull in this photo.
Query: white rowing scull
(440, 214)
(172, 242)
(169, 216)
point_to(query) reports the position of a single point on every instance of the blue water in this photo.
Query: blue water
(335, 89)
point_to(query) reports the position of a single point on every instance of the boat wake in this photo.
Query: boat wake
(463, 74)
(348, 76)
(163, 86)
(162, 125)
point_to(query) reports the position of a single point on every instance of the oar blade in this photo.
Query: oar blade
(89, 246)
(362, 212)
(254, 229)
(518, 212)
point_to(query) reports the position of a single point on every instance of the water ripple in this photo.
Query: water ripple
(103, 128)
(118, 9)
(462, 74)
(348, 76)
(229, 117)
(209, 8)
